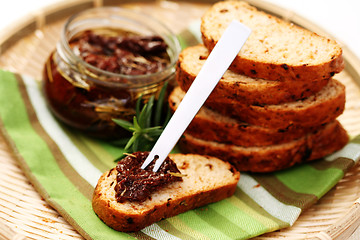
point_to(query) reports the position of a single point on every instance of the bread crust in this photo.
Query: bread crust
(212, 126)
(284, 72)
(276, 157)
(316, 110)
(267, 64)
(170, 201)
(235, 88)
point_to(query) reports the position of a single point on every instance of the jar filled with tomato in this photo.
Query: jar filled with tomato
(105, 60)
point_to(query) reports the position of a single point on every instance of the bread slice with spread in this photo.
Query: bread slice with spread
(204, 180)
(276, 49)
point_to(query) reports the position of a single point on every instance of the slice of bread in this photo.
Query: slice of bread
(207, 180)
(322, 107)
(212, 126)
(234, 88)
(276, 49)
(275, 157)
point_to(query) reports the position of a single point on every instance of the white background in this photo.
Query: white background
(340, 18)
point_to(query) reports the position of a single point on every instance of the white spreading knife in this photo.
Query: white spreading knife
(219, 60)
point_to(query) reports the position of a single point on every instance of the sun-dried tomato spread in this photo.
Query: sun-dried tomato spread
(124, 54)
(135, 184)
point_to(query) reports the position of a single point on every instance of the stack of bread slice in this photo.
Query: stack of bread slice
(277, 104)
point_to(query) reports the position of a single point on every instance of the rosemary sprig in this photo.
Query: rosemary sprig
(147, 124)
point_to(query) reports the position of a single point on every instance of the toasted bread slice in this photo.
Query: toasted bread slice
(212, 126)
(276, 49)
(235, 88)
(322, 107)
(207, 180)
(275, 157)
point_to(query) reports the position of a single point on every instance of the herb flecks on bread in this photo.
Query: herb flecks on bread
(276, 49)
(205, 180)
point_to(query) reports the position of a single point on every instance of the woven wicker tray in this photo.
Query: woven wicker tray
(24, 48)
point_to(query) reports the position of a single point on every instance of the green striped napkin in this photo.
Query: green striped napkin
(64, 167)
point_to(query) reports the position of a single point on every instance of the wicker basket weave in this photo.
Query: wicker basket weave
(24, 48)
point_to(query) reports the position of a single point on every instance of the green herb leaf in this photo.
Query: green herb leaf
(138, 105)
(130, 142)
(150, 129)
(137, 126)
(159, 105)
(124, 124)
(149, 110)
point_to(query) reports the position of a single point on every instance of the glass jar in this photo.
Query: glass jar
(87, 97)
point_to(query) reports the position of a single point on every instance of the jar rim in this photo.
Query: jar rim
(118, 11)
